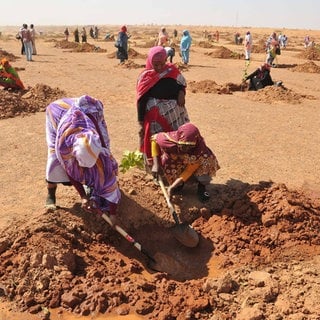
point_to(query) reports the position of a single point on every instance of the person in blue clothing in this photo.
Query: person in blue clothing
(122, 45)
(185, 45)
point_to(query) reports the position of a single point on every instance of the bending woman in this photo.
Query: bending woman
(79, 154)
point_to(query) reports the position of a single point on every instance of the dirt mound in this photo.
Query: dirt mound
(132, 54)
(269, 94)
(259, 47)
(23, 102)
(206, 44)
(310, 53)
(309, 67)
(78, 47)
(277, 94)
(9, 56)
(70, 260)
(135, 54)
(129, 64)
(209, 86)
(224, 53)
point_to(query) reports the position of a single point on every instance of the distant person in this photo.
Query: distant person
(175, 33)
(161, 90)
(217, 36)
(79, 153)
(171, 51)
(238, 39)
(83, 35)
(308, 42)
(76, 35)
(271, 40)
(66, 34)
(18, 37)
(33, 39)
(236, 35)
(25, 34)
(9, 78)
(248, 45)
(163, 37)
(122, 44)
(91, 33)
(283, 41)
(272, 52)
(96, 32)
(261, 78)
(185, 45)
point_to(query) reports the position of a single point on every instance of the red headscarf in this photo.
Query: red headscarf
(149, 77)
(156, 54)
(174, 159)
(123, 29)
(187, 134)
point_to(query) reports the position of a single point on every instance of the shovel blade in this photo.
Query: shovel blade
(186, 235)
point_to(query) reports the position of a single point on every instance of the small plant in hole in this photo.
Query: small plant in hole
(131, 159)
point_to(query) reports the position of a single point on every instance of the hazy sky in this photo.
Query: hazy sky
(300, 14)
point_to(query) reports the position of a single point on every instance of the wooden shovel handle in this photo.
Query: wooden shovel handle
(165, 193)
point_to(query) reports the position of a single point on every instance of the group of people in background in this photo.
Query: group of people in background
(93, 32)
(27, 36)
(164, 40)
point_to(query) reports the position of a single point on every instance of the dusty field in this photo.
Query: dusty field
(258, 255)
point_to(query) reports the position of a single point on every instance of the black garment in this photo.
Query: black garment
(122, 45)
(91, 32)
(76, 35)
(22, 47)
(166, 88)
(259, 79)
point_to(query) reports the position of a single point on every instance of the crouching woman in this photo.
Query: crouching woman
(183, 154)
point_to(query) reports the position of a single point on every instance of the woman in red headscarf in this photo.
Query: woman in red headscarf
(183, 154)
(161, 90)
(122, 44)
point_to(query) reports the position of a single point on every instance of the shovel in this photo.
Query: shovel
(183, 232)
(136, 244)
(164, 263)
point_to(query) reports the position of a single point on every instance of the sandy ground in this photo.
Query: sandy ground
(265, 204)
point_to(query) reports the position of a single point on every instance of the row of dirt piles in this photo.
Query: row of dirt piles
(31, 100)
(23, 102)
(269, 94)
(78, 47)
(68, 259)
(310, 53)
(209, 86)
